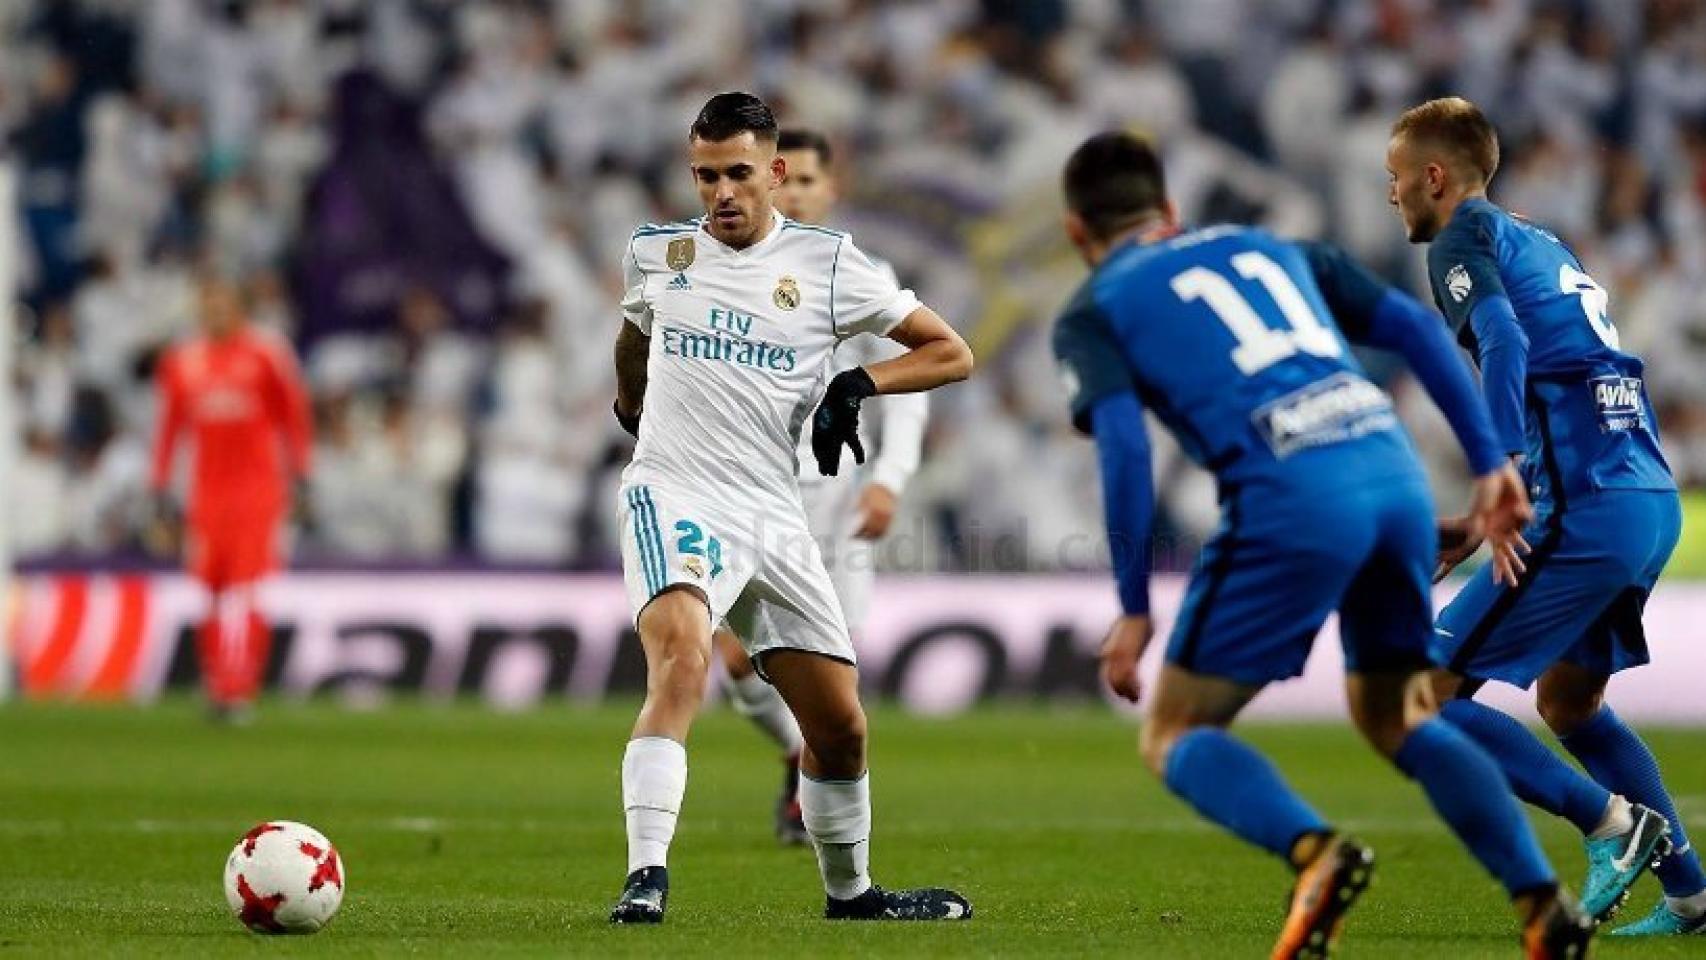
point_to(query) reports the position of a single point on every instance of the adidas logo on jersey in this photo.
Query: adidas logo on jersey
(679, 283)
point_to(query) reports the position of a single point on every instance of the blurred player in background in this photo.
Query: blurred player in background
(1227, 334)
(729, 322)
(1571, 408)
(848, 512)
(236, 396)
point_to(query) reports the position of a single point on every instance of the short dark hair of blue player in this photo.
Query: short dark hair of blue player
(728, 115)
(800, 138)
(1114, 181)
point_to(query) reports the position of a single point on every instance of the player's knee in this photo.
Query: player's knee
(1385, 732)
(1446, 685)
(678, 673)
(1565, 714)
(839, 746)
(682, 669)
(1568, 696)
(1380, 716)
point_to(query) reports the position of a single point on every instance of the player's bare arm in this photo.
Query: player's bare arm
(632, 348)
(936, 355)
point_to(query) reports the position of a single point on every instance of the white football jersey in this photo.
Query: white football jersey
(740, 347)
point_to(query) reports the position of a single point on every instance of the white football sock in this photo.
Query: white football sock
(838, 817)
(654, 778)
(1687, 907)
(759, 702)
(1619, 819)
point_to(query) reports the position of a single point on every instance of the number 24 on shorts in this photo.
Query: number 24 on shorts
(693, 542)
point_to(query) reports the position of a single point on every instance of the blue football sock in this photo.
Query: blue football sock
(1617, 758)
(1538, 775)
(1230, 783)
(1472, 796)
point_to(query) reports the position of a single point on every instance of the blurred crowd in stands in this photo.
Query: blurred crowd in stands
(430, 198)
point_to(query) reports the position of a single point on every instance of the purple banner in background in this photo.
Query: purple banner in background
(383, 217)
(934, 644)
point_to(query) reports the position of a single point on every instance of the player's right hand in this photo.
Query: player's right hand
(1121, 650)
(1457, 543)
(1499, 509)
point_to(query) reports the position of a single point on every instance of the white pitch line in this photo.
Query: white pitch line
(1136, 824)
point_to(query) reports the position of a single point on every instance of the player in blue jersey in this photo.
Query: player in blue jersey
(1570, 406)
(1227, 334)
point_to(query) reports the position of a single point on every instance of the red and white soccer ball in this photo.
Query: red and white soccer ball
(284, 877)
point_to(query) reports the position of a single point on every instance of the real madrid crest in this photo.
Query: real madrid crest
(679, 256)
(787, 295)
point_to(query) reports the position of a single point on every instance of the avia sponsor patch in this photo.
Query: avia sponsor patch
(1342, 407)
(1618, 400)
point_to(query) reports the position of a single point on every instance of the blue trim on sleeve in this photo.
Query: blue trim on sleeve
(788, 224)
(664, 229)
(834, 325)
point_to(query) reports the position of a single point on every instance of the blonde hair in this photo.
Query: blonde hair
(1459, 127)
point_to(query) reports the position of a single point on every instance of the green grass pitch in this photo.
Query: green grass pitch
(473, 833)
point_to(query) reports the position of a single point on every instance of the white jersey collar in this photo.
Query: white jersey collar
(776, 221)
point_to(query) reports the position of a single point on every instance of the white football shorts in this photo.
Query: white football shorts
(756, 562)
(832, 514)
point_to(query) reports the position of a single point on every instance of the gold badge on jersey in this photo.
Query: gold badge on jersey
(787, 295)
(679, 256)
(694, 566)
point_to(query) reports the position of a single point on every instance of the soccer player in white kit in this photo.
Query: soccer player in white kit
(846, 513)
(729, 324)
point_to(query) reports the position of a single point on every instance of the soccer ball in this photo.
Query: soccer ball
(284, 877)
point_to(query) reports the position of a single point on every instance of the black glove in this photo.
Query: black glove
(629, 423)
(837, 419)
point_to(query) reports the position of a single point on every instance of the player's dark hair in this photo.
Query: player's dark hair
(1457, 126)
(728, 115)
(1113, 180)
(799, 138)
